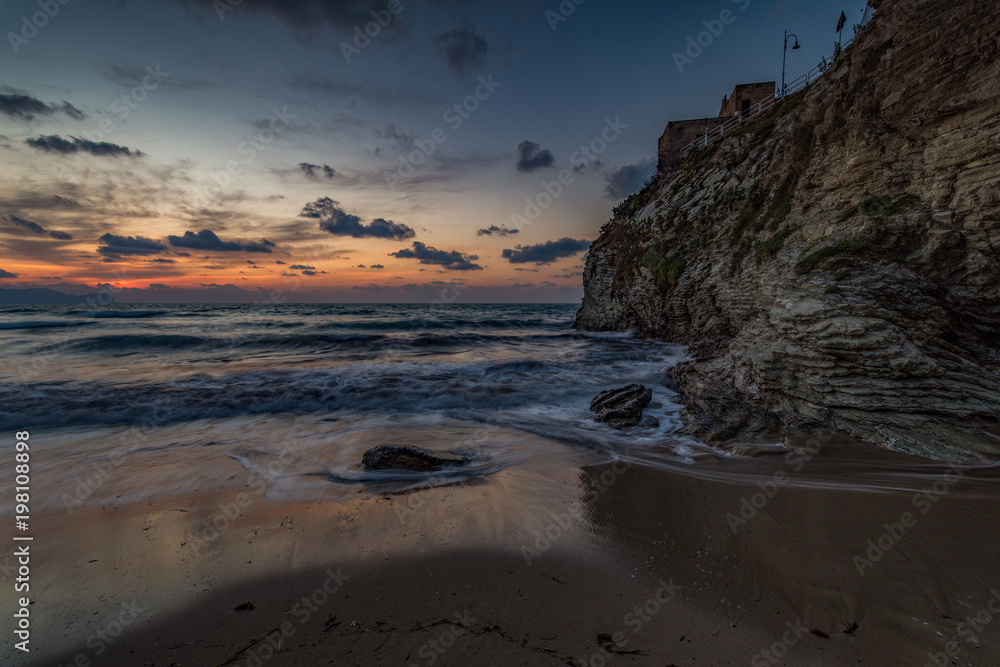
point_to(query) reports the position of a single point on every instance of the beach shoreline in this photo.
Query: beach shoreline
(538, 564)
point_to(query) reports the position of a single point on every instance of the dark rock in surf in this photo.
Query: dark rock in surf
(393, 457)
(621, 408)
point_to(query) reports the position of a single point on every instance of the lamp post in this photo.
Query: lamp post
(783, 56)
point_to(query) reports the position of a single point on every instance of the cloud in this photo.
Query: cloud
(314, 171)
(545, 253)
(450, 260)
(402, 139)
(206, 239)
(26, 107)
(531, 158)
(63, 201)
(280, 262)
(7, 274)
(376, 266)
(53, 143)
(493, 230)
(113, 245)
(36, 228)
(462, 48)
(302, 267)
(336, 221)
(627, 179)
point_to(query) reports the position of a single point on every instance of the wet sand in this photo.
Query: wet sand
(547, 563)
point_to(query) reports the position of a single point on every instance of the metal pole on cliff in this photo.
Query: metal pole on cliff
(784, 54)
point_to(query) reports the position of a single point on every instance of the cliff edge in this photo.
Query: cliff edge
(833, 265)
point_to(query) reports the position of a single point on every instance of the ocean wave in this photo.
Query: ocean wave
(130, 343)
(31, 324)
(373, 387)
(438, 323)
(298, 342)
(125, 314)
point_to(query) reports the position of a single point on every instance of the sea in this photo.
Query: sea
(294, 394)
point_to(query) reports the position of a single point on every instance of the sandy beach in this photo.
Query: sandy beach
(543, 564)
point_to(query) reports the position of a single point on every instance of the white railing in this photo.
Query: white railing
(768, 102)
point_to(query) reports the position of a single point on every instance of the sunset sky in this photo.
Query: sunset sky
(191, 150)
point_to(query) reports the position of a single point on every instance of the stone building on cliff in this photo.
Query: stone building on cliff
(680, 133)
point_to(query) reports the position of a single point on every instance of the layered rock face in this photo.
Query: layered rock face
(834, 265)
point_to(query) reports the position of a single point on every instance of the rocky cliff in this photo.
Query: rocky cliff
(834, 265)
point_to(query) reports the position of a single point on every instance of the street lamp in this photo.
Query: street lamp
(783, 56)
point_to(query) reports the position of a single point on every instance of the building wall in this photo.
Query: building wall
(680, 133)
(751, 92)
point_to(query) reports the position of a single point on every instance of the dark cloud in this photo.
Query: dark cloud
(450, 260)
(36, 228)
(53, 143)
(160, 260)
(627, 179)
(26, 107)
(280, 262)
(336, 221)
(113, 246)
(493, 230)
(376, 266)
(314, 171)
(131, 74)
(7, 274)
(531, 157)
(403, 139)
(545, 253)
(463, 50)
(302, 267)
(63, 201)
(591, 165)
(206, 239)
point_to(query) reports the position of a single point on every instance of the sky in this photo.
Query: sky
(352, 150)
